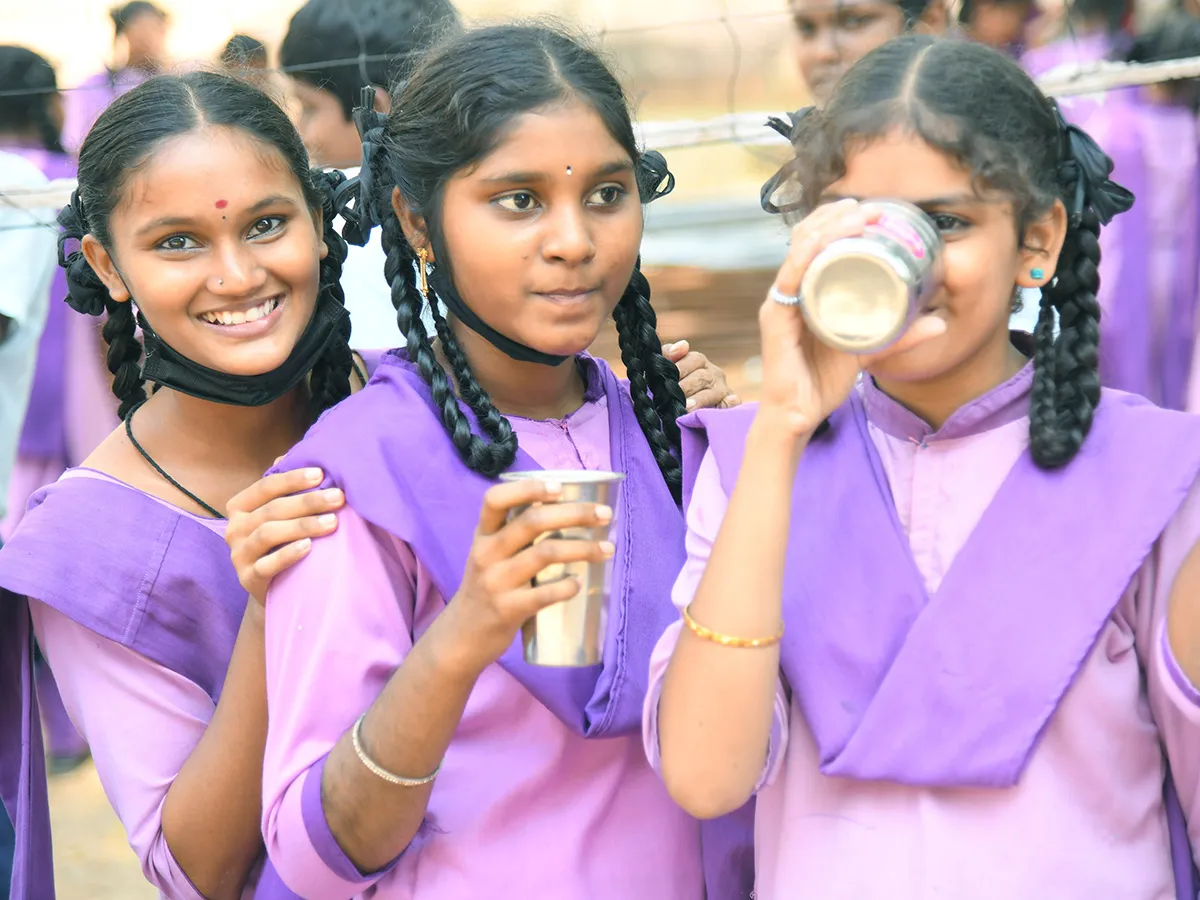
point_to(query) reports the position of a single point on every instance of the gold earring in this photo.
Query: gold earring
(423, 279)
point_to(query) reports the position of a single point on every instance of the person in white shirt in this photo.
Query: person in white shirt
(28, 240)
(389, 35)
(28, 256)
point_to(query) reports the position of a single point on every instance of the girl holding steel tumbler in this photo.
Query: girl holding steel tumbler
(412, 751)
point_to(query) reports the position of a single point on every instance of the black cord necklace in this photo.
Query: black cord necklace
(160, 470)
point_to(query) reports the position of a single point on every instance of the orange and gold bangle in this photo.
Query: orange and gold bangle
(726, 640)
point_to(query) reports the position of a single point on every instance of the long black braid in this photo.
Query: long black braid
(1066, 381)
(653, 379)
(87, 294)
(489, 458)
(329, 382)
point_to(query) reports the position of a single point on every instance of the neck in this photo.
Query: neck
(221, 436)
(935, 400)
(528, 390)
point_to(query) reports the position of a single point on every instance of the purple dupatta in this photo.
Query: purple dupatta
(387, 449)
(901, 686)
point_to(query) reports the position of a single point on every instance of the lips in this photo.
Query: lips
(232, 317)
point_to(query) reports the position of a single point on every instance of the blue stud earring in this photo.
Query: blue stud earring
(1037, 274)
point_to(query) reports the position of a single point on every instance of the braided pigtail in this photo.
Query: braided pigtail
(489, 459)
(493, 424)
(329, 382)
(1066, 385)
(87, 294)
(653, 379)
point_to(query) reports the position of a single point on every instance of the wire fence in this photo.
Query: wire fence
(747, 129)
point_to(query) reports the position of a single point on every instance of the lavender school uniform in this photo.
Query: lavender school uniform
(899, 686)
(134, 570)
(388, 451)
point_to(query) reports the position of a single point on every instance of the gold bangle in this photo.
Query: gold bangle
(379, 771)
(726, 640)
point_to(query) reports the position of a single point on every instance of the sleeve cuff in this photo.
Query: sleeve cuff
(317, 826)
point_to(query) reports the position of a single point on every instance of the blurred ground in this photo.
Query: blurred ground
(715, 311)
(92, 859)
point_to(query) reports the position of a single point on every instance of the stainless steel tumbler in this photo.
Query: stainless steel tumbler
(572, 633)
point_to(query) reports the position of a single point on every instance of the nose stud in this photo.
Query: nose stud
(221, 281)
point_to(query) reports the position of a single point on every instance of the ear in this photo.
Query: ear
(318, 219)
(1042, 244)
(415, 230)
(102, 264)
(383, 99)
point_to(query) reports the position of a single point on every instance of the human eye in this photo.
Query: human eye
(267, 225)
(947, 223)
(518, 201)
(607, 195)
(804, 27)
(853, 22)
(177, 243)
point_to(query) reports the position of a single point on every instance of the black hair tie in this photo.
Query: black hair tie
(651, 172)
(86, 292)
(1083, 172)
(356, 198)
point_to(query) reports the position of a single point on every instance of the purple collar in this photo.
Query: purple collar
(1003, 404)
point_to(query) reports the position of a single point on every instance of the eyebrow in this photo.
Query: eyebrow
(612, 168)
(183, 221)
(927, 203)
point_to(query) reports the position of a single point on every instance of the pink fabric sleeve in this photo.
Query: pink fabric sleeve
(339, 623)
(704, 516)
(140, 720)
(1174, 701)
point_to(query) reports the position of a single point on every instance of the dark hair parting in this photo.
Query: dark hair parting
(121, 140)
(448, 116)
(980, 108)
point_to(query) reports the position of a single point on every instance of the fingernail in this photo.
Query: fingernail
(690, 404)
(333, 495)
(303, 545)
(313, 475)
(327, 521)
(608, 548)
(552, 487)
(604, 513)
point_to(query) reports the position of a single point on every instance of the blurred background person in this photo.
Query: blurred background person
(139, 51)
(28, 254)
(1090, 31)
(68, 357)
(246, 57)
(833, 36)
(384, 38)
(1001, 24)
(1170, 142)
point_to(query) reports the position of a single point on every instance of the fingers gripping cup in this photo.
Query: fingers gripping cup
(571, 633)
(861, 293)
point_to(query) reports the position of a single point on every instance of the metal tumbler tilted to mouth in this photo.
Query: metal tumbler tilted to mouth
(571, 633)
(861, 293)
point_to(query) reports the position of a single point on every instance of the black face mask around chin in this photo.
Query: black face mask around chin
(168, 368)
(443, 289)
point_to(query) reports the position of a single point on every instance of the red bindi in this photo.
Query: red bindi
(221, 204)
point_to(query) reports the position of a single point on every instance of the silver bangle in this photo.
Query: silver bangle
(378, 770)
(781, 298)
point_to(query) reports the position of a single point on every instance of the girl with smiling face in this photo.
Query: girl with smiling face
(941, 603)
(196, 203)
(411, 751)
